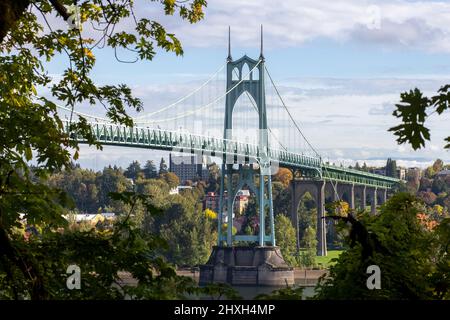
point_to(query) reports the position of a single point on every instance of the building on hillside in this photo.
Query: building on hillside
(177, 189)
(240, 202)
(443, 173)
(211, 201)
(381, 171)
(414, 172)
(188, 167)
(401, 173)
(93, 219)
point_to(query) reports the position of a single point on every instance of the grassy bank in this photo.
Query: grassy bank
(325, 262)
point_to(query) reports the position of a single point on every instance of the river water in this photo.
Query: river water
(250, 292)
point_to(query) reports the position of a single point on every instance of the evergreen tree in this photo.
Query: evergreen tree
(133, 170)
(391, 168)
(364, 167)
(150, 170)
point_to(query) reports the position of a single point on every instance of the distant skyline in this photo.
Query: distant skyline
(340, 66)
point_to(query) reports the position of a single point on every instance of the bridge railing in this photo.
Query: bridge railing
(356, 176)
(179, 141)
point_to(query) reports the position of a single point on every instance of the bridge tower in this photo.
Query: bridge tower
(246, 265)
(251, 84)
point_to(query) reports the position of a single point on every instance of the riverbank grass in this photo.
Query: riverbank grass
(325, 262)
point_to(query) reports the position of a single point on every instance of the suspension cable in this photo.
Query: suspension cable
(152, 113)
(84, 114)
(183, 98)
(300, 131)
(289, 113)
(256, 109)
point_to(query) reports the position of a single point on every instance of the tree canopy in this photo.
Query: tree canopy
(413, 258)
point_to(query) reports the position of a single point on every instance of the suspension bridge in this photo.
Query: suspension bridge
(239, 116)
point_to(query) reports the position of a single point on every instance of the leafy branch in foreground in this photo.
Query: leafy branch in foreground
(32, 130)
(104, 258)
(412, 110)
(413, 259)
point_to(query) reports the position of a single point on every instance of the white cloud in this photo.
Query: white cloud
(422, 24)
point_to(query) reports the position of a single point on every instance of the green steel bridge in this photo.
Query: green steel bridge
(245, 78)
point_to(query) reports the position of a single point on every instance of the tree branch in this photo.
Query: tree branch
(60, 9)
(10, 12)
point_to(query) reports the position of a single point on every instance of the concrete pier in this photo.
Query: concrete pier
(261, 266)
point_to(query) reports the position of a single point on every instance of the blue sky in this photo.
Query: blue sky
(340, 65)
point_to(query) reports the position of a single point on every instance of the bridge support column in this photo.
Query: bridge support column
(335, 197)
(262, 212)
(373, 207)
(384, 195)
(331, 189)
(271, 216)
(321, 229)
(230, 199)
(221, 199)
(295, 200)
(363, 198)
(352, 197)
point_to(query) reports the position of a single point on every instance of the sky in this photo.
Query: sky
(340, 67)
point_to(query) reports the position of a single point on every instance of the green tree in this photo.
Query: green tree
(411, 257)
(439, 186)
(281, 198)
(189, 233)
(81, 185)
(133, 170)
(429, 172)
(171, 179)
(308, 256)
(307, 214)
(31, 128)
(391, 168)
(286, 239)
(112, 181)
(364, 167)
(150, 170)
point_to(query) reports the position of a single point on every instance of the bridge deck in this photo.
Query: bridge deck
(149, 138)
